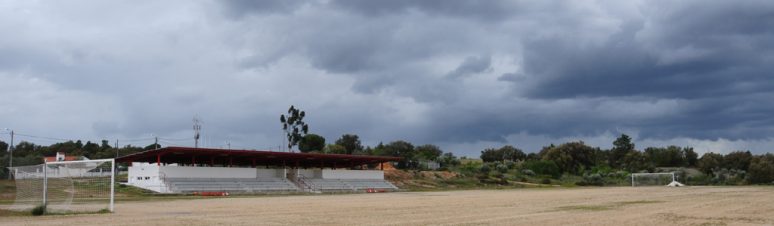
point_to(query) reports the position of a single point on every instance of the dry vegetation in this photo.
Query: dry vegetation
(551, 206)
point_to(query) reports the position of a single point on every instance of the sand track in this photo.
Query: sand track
(554, 206)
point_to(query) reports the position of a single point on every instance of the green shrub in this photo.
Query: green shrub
(485, 169)
(502, 168)
(543, 167)
(39, 210)
(545, 181)
(510, 164)
(592, 180)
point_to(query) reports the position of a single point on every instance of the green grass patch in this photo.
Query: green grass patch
(66, 213)
(13, 213)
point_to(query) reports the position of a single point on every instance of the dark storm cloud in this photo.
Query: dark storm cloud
(716, 57)
(484, 10)
(239, 8)
(696, 51)
(738, 116)
(437, 71)
(693, 52)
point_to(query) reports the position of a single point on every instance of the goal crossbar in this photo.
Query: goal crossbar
(648, 174)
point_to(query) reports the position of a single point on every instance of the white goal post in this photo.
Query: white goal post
(653, 178)
(67, 187)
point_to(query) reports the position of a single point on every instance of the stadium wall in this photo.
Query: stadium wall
(153, 177)
(216, 172)
(353, 174)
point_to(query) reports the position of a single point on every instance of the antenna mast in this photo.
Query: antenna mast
(197, 127)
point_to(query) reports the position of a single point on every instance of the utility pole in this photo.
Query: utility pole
(116, 147)
(10, 156)
(156, 143)
(197, 127)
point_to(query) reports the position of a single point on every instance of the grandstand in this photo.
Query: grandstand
(192, 170)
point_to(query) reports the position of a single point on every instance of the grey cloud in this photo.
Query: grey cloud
(241, 8)
(700, 71)
(471, 65)
(482, 10)
(511, 77)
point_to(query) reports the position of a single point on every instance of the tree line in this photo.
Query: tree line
(414, 157)
(27, 153)
(577, 158)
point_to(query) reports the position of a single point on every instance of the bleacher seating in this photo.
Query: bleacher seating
(234, 185)
(349, 184)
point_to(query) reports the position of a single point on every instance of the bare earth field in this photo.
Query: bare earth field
(554, 206)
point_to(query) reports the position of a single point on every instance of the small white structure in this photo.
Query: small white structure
(76, 167)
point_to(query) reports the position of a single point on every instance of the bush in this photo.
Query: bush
(510, 164)
(39, 210)
(502, 168)
(528, 172)
(485, 169)
(592, 180)
(545, 181)
(761, 170)
(701, 179)
(544, 167)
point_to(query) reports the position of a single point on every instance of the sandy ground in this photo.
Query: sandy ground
(551, 206)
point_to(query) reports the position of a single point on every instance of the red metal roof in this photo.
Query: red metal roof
(53, 158)
(213, 156)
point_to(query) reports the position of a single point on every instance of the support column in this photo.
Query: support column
(158, 159)
(381, 166)
(230, 161)
(193, 160)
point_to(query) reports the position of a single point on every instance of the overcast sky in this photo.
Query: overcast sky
(464, 75)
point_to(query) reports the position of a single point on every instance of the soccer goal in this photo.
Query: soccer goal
(66, 187)
(655, 179)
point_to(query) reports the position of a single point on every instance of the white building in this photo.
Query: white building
(189, 170)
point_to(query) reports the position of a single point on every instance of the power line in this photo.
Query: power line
(169, 143)
(140, 141)
(123, 140)
(41, 137)
(176, 139)
(137, 139)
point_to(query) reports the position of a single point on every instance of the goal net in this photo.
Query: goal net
(654, 179)
(66, 187)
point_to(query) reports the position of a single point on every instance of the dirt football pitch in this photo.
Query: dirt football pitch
(554, 206)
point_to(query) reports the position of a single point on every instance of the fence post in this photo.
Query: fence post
(45, 183)
(112, 182)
